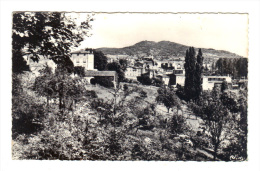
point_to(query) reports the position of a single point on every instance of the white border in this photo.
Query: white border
(251, 7)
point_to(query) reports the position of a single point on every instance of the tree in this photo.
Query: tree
(198, 74)
(168, 98)
(224, 86)
(193, 72)
(237, 67)
(216, 121)
(123, 63)
(103, 81)
(144, 79)
(44, 84)
(100, 60)
(80, 71)
(178, 125)
(215, 115)
(115, 66)
(48, 34)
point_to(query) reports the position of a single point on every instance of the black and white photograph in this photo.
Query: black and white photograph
(122, 86)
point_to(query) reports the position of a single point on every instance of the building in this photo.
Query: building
(178, 71)
(134, 72)
(210, 81)
(83, 58)
(164, 78)
(91, 74)
(176, 79)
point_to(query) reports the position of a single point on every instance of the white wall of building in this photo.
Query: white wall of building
(210, 81)
(84, 60)
(180, 79)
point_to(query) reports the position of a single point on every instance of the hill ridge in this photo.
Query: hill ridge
(164, 50)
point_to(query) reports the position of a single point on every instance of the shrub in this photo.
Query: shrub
(178, 124)
(80, 71)
(145, 80)
(143, 94)
(91, 94)
(103, 81)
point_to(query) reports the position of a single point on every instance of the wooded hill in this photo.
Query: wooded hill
(164, 50)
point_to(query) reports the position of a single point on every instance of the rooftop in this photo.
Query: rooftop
(100, 73)
(83, 51)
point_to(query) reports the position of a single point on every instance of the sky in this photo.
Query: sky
(218, 31)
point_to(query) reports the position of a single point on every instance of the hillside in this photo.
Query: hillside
(164, 50)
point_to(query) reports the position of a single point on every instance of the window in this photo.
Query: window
(84, 60)
(77, 60)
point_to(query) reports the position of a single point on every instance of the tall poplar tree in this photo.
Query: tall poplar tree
(193, 74)
(198, 74)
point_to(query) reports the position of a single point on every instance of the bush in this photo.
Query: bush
(93, 81)
(157, 82)
(178, 125)
(145, 80)
(80, 71)
(27, 111)
(143, 94)
(180, 92)
(103, 81)
(91, 94)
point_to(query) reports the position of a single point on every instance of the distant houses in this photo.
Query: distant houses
(134, 72)
(171, 73)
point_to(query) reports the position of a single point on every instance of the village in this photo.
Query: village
(149, 101)
(170, 72)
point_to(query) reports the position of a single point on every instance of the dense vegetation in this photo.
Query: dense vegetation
(64, 120)
(236, 67)
(47, 34)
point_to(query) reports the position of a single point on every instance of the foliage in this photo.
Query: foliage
(193, 74)
(59, 85)
(27, 112)
(144, 79)
(168, 98)
(47, 34)
(218, 110)
(80, 71)
(146, 118)
(143, 94)
(237, 149)
(224, 86)
(237, 67)
(229, 102)
(103, 81)
(100, 60)
(115, 66)
(180, 92)
(126, 127)
(90, 94)
(157, 82)
(177, 124)
(123, 63)
(19, 64)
